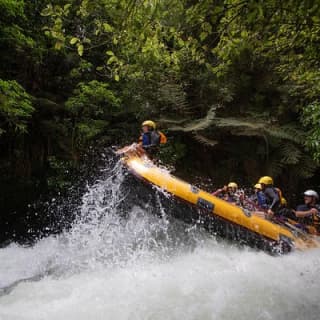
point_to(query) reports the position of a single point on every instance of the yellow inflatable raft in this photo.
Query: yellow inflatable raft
(277, 236)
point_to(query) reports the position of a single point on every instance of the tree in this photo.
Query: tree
(15, 107)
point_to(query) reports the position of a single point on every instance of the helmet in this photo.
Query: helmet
(266, 180)
(149, 123)
(311, 193)
(257, 186)
(232, 185)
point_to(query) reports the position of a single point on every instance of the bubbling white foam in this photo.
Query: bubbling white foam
(138, 264)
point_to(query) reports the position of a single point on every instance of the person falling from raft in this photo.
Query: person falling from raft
(151, 139)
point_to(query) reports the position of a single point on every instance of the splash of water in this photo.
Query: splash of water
(105, 234)
(127, 259)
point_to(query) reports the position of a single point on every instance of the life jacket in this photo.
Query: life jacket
(154, 137)
(316, 219)
(261, 200)
(163, 138)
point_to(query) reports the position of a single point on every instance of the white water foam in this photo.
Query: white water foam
(145, 267)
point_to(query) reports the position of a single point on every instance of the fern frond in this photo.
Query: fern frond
(239, 123)
(167, 121)
(204, 140)
(172, 95)
(274, 167)
(290, 154)
(287, 132)
(198, 124)
(251, 127)
(289, 158)
(306, 167)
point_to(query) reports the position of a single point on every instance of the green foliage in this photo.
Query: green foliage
(311, 121)
(91, 106)
(15, 107)
(175, 59)
(12, 8)
(59, 179)
(172, 152)
(93, 99)
(86, 131)
(11, 33)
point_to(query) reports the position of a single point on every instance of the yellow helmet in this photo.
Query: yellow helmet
(149, 123)
(258, 186)
(232, 185)
(266, 180)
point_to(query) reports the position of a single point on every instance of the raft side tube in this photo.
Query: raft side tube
(163, 179)
(222, 229)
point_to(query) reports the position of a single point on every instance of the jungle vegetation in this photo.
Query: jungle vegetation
(235, 84)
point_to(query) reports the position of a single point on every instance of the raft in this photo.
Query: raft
(245, 225)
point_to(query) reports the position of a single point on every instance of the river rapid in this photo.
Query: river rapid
(136, 262)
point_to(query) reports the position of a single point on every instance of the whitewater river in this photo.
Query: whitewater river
(148, 267)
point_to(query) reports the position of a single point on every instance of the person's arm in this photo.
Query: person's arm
(274, 196)
(270, 193)
(302, 214)
(219, 191)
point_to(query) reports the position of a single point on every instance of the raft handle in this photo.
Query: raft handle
(194, 189)
(205, 204)
(246, 212)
